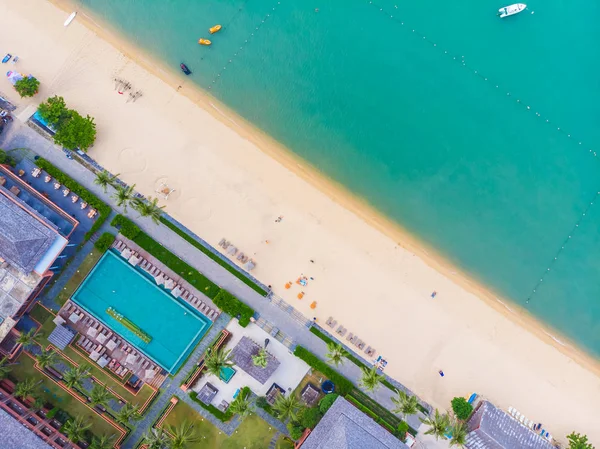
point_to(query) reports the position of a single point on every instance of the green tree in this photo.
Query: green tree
(127, 414)
(260, 359)
(157, 439)
(46, 358)
(310, 417)
(578, 441)
(105, 179)
(241, 405)
(183, 435)
(336, 353)
(5, 367)
(100, 396)
(295, 429)
(103, 442)
(461, 408)
(76, 132)
(438, 424)
(405, 403)
(402, 429)
(75, 376)
(6, 159)
(26, 388)
(124, 196)
(287, 407)
(216, 360)
(54, 111)
(370, 378)
(27, 87)
(149, 208)
(28, 338)
(75, 429)
(326, 403)
(459, 434)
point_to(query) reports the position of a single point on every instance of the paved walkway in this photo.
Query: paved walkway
(28, 138)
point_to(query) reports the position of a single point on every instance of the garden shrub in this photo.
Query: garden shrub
(87, 196)
(402, 429)
(234, 307)
(221, 416)
(310, 417)
(326, 403)
(52, 413)
(461, 408)
(6, 159)
(296, 430)
(105, 241)
(125, 226)
(27, 87)
(343, 385)
(72, 130)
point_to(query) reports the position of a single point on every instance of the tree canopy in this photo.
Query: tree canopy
(461, 408)
(27, 87)
(72, 129)
(578, 441)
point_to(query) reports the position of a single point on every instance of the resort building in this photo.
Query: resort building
(346, 427)
(33, 233)
(490, 427)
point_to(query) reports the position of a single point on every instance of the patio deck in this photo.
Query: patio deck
(110, 350)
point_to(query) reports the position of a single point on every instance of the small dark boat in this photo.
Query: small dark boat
(184, 69)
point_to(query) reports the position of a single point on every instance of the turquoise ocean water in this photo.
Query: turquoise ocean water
(413, 107)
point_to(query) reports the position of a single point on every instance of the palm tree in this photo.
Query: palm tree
(215, 361)
(127, 413)
(370, 378)
(260, 359)
(459, 433)
(105, 179)
(406, 404)
(438, 424)
(104, 442)
(100, 396)
(287, 407)
(124, 196)
(46, 358)
(26, 388)
(241, 405)
(149, 208)
(28, 338)
(74, 377)
(336, 353)
(5, 367)
(157, 439)
(75, 429)
(183, 435)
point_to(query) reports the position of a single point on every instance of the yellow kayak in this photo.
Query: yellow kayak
(204, 42)
(214, 29)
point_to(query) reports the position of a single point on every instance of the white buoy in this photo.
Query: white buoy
(70, 18)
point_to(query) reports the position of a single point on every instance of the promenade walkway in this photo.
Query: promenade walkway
(21, 136)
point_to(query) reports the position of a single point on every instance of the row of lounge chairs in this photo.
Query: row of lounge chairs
(161, 278)
(341, 331)
(232, 251)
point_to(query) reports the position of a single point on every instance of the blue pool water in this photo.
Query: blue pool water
(227, 373)
(175, 328)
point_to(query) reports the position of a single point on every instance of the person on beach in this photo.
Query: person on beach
(278, 220)
(441, 373)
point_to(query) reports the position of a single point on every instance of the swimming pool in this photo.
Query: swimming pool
(227, 372)
(174, 328)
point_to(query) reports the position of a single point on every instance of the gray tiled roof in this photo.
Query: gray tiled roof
(15, 435)
(242, 354)
(23, 238)
(346, 427)
(61, 336)
(492, 428)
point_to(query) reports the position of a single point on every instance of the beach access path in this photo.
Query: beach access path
(19, 135)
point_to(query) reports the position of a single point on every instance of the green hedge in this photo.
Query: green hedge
(190, 274)
(87, 196)
(342, 385)
(221, 416)
(126, 227)
(234, 307)
(105, 241)
(382, 422)
(246, 280)
(384, 414)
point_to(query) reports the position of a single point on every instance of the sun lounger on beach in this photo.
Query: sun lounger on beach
(350, 336)
(232, 251)
(361, 345)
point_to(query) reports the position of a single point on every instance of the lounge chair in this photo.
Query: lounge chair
(350, 336)
(118, 370)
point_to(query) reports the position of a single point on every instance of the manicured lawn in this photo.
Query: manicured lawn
(42, 315)
(83, 270)
(53, 394)
(253, 433)
(283, 443)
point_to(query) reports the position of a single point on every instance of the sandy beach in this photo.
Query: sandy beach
(233, 182)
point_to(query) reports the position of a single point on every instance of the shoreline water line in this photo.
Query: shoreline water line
(334, 190)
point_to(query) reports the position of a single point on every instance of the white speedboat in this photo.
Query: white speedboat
(512, 9)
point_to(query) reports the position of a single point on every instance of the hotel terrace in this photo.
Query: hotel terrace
(33, 233)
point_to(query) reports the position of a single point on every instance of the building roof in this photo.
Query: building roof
(16, 435)
(242, 354)
(346, 427)
(24, 239)
(492, 428)
(61, 336)
(15, 288)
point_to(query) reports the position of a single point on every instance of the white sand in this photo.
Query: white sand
(227, 187)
